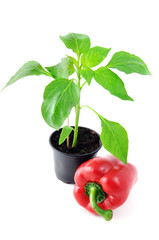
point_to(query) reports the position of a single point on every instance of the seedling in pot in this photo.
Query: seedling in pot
(64, 91)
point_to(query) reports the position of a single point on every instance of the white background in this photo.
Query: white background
(33, 203)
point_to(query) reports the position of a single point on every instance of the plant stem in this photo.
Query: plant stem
(77, 111)
(76, 125)
(83, 84)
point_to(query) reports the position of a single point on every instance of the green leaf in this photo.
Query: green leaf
(28, 69)
(79, 43)
(59, 98)
(94, 56)
(63, 69)
(128, 63)
(114, 138)
(111, 82)
(87, 74)
(65, 133)
(75, 62)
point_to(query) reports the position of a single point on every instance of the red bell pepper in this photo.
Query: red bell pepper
(103, 184)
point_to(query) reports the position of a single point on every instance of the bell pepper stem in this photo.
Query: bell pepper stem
(106, 214)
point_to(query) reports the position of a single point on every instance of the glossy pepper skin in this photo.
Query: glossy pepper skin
(113, 177)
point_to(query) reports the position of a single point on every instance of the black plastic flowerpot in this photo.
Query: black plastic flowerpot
(67, 160)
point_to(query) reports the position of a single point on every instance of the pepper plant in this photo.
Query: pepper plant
(64, 91)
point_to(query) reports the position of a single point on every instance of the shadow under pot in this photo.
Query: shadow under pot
(67, 160)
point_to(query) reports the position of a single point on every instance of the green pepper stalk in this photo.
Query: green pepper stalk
(97, 195)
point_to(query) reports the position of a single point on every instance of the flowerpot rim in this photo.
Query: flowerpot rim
(76, 155)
